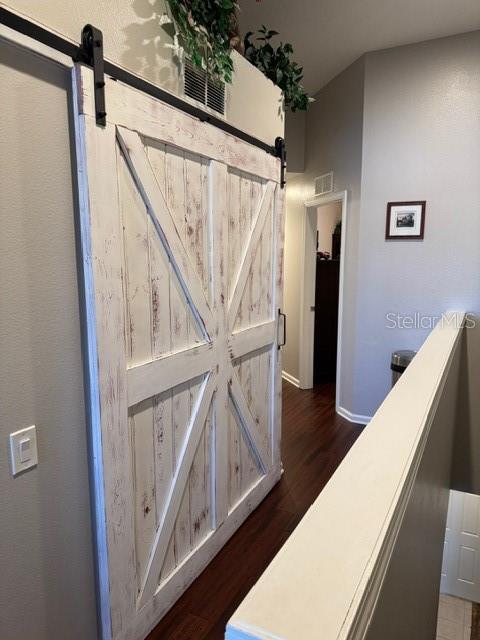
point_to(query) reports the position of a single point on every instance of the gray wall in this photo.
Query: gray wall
(295, 125)
(420, 142)
(333, 142)
(47, 589)
(400, 124)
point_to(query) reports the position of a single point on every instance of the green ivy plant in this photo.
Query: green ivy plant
(277, 65)
(207, 30)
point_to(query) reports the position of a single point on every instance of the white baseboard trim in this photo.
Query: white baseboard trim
(286, 376)
(348, 415)
(353, 417)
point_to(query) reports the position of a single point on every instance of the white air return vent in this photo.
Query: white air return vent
(324, 184)
(198, 86)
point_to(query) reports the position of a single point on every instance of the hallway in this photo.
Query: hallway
(314, 442)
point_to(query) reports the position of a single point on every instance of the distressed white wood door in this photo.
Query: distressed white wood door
(182, 241)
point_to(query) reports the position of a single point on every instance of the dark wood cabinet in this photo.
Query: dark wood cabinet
(326, 320)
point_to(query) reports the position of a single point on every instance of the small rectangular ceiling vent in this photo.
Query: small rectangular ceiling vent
(324, 184)
(199, 86)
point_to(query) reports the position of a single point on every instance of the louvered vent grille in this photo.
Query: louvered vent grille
(216, 96)
(200, 87)
(324, 184)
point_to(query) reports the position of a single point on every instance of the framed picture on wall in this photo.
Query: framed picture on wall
(405, 220)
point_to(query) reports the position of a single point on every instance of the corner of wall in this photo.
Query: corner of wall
(255, 104)
(295, 131)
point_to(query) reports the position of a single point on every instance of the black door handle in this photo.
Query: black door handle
(284, 341)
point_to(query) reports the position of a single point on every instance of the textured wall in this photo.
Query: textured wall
(333, 142)
(134, 40)
(400, 124)
(295, 125)
(47, 589)
(420, 142)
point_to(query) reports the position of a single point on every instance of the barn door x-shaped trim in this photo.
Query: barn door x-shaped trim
(222, 346)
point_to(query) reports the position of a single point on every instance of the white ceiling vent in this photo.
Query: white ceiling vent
(324, 184)
(200, 87)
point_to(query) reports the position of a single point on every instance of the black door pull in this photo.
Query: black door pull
(284, 341)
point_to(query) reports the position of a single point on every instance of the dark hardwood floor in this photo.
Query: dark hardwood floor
(314, 442)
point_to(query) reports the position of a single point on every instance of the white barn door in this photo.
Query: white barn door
(182, 241)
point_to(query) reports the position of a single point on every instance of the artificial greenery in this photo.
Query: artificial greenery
(208, 31)
(277, 65)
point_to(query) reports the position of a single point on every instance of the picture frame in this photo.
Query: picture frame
(405, 220)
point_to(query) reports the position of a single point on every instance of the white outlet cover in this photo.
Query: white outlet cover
(23, 449)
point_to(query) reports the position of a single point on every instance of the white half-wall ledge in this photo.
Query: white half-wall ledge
(347, 585)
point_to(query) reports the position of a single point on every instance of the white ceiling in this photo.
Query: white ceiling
(328, 35)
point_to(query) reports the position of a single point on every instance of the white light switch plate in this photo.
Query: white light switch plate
(23, 449)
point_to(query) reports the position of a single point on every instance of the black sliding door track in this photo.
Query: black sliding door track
(46, 37)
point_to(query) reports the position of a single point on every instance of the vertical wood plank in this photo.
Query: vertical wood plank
(136, 256)
(263, 396)
(195, 217)
(234, 458)
(161, 344)
(255, 292)
(219, 190)
(181, 415)
(169, 564)
(164, 465)
(196, 492)
(267, 280)
(180, 325)
(235, 251)
(144, 481)
(136, 252)
(207, 228)
(250, 470)
(256, 275)
(196, 481)
(159, 269)
(243, 234)
(255, 198)
(243, 320)
(195, 223)
(208, 476)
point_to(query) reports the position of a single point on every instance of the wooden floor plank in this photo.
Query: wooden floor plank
(314, 442)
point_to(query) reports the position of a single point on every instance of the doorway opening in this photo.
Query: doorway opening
(327, 281)
(325, 223)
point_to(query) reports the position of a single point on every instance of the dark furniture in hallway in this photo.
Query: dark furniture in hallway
(326, 320)
(315, 441)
